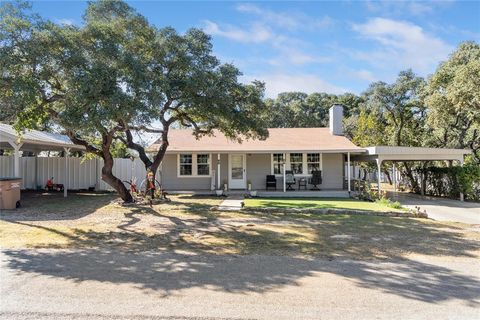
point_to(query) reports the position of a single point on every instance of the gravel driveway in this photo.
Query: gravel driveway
(95, 284)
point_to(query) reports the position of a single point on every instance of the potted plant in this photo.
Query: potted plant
(253, 193)
(225, 185)
(218, 192)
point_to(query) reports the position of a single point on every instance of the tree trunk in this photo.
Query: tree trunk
(107, 174)
(387, 173)
(409, 175)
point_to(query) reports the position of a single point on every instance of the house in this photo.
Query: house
(213, 161)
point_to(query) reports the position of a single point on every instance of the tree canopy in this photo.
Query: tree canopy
(117, 74)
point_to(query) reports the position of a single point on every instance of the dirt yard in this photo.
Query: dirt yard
(187, 224)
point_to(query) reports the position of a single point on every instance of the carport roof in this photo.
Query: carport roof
(389, 153)
(34, 140)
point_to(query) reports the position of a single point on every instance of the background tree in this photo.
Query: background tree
(453, 99)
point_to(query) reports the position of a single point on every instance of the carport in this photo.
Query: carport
(35, 141)
(380, 154)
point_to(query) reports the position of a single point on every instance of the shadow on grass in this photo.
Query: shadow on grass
(43, 206)
(198, 253)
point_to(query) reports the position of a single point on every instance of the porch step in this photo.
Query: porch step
(305, 194)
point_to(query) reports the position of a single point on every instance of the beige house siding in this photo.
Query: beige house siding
(258, 167)
(170, 181)
(332, 171)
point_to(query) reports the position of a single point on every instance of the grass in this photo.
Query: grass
(187, 224)
(315, 203)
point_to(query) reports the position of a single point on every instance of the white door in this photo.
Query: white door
(237, 173)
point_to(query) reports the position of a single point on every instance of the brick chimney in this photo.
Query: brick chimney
(336, 120)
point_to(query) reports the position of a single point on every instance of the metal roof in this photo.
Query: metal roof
(34, 140)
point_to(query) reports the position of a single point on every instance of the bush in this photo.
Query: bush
(450, 181)
(389, 203)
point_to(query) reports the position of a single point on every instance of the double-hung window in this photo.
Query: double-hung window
(194, 165)
(203, 164)
(186, 164)
(296, 163)
(313, 162)
(278, 163)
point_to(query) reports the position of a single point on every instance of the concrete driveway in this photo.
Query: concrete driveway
(442, 209)
(106, 284)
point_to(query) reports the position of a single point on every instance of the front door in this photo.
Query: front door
(237, 172)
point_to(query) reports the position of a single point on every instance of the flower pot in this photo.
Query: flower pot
(218, 192)
(253, 193)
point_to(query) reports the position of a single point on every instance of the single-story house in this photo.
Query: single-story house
(215, 161)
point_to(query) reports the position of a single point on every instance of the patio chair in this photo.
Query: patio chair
(290, 179)
(271, 182)
(316, 179)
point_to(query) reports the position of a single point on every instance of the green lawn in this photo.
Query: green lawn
(315, 203)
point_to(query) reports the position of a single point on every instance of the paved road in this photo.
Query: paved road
(66, 284)
(442, 209)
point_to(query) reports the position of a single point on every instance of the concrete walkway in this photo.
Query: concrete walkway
(233, 202)
(106, 284)
(441, 209)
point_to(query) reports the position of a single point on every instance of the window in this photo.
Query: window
(313, 162)
(296, 163)
(278, 163)
(186, 165)
(203, 164)
(194, 165)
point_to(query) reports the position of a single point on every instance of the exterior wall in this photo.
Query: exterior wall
(170, 181)
(332, 174)
(258, 166)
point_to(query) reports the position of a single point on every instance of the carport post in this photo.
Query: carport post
(379, 171)
(67, 175)
(461, 193)
(394, 169)
(16, 158)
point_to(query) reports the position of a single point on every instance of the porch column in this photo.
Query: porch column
(218, 172)
(67, 173)
(379, 172)
(394, 177)
(284, 174)
(348, 172)
(462, 196)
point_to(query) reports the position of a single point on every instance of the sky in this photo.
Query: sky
(316, 46)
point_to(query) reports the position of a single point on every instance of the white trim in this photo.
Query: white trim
(287, 166)
(229, 173)
(194, 165)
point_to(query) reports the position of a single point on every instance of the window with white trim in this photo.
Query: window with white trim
(278, 163)
(296, 163)
(194, 165)
(186, 164)
(203, 164)
(313, 162)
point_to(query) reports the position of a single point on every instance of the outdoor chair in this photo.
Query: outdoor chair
(316, 179)
(271, 182)
(290, 179)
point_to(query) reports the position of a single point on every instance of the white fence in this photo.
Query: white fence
(35, 171)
